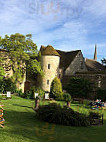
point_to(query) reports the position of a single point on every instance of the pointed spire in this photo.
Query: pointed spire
(95, 53)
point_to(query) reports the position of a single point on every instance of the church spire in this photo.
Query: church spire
(95, 53)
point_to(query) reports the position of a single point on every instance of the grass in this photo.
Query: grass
(21, 125)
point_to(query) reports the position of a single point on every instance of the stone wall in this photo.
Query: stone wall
(50, 66)
(6, 63)
(77, 65)
(8, 69)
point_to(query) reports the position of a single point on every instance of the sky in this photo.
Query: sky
(65, 24)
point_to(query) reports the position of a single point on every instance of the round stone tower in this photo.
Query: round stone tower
(50, 60)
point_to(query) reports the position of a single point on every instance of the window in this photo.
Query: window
(99, 83)
(48, 66)
(47, 82)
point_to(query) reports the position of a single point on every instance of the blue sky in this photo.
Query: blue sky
(65, 24)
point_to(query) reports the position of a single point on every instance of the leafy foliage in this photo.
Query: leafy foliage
(2, 73)
(56, 89)
(21, 49)
(1, 86)
(101, 94)
(37, 90)
(79, 87)
(54, 113)
(7, 85)
(67, 97)
(103, 61)
(30, 93)
(94, 115)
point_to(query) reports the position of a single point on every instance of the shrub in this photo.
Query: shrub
(37, 90)
(92, 116)
(79, 88)
(54, 113)
(67, 97)
(56, 89)
(2, 72)
(101, 94)
(1, 86)
(7, 85)
(20, 93)
(29, 95)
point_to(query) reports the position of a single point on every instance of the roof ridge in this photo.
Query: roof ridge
(68, 51)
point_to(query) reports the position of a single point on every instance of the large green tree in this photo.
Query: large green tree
(21, 50)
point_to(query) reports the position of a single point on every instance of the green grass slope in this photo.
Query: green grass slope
(21, 125)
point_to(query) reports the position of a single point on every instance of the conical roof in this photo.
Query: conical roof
(49, 50)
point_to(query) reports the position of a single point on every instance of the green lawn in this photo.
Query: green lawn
(21, 125)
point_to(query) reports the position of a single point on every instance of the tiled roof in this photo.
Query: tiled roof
(66, 58)
(93, 65)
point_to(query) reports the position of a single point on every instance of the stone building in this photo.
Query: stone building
(59, 63)
(94, 71)
(70, 64)
(62, 64)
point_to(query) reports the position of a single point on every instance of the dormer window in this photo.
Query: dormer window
(48, 66)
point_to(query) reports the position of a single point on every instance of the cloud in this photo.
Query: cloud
(67, 25)
(96, 8)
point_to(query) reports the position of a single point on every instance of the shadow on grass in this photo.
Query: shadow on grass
(26, 125)
(21, 105)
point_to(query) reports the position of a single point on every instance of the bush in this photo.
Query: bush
(2, 72)
(79, 88)
(37, 90)
(7, 85)
(1, 86)
(54, 113)
(20, 93)
(40, 92)
(101, 94)
(29, 95)
(94, 115)
(56, 89)
(67, 97)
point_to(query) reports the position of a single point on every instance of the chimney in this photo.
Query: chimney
(95, 53)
